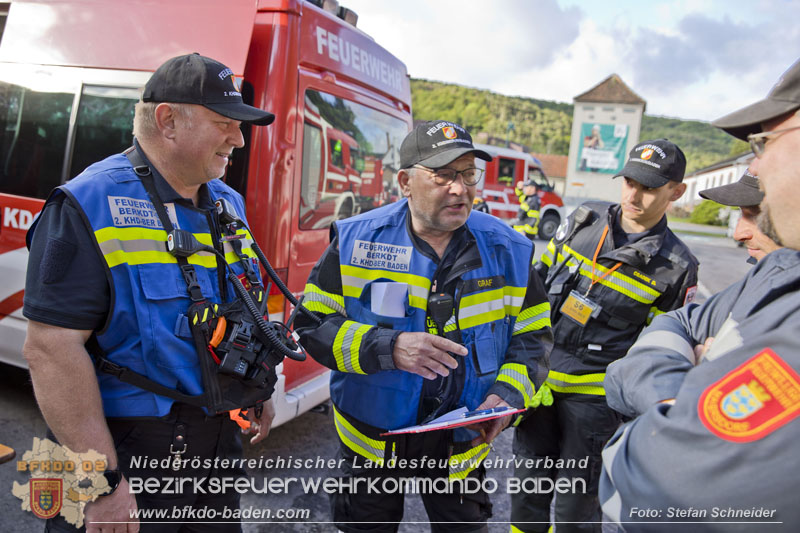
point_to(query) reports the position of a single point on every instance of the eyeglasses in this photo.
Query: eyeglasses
(758, 141)
(446, 176)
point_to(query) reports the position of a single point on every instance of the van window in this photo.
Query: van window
(104, 125)
(33, 136)
(351, 155)
(34, 130)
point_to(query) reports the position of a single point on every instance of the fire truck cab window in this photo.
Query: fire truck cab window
(351, 155)
(506, 171)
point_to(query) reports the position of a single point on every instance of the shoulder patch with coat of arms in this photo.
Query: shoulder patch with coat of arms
(752, 400)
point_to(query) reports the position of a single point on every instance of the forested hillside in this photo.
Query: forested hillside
(545, 126)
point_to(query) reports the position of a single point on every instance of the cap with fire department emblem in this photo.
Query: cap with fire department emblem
(655, 163)
(437, 143)
(195, 79)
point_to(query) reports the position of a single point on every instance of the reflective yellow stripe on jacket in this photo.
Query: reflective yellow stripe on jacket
(371, 449)
(617, 281)
(568, 383)
(533, 318)
(487, 306)
(346, 346)
(315, 299)
(463, 463)
(516, 375)
(354, 279)
(138, 246)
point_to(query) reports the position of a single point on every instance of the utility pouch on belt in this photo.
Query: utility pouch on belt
(238, 366)
(237, 348)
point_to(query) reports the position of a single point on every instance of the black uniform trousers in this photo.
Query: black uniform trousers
(575, 427)
(206, 437)
(383, 511)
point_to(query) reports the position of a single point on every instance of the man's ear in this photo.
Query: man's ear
(165, 116)
(403, 178)
(678, 191)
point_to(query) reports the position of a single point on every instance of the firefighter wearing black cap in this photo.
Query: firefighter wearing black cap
(103, 290)
(746, 195)
(608, 271)
(426, 306)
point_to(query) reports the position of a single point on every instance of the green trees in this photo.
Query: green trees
(707, 212)
(545, 126)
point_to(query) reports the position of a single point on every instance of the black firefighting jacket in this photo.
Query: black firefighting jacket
(658, 273)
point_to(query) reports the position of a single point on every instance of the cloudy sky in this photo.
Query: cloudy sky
(692, 59)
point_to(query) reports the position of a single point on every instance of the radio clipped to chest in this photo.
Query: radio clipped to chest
(238, 348)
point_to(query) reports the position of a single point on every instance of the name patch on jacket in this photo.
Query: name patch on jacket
(752, 400)
(484, 284)
(137, 212)
(368, 254)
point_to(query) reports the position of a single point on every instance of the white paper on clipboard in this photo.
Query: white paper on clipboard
(456, 418)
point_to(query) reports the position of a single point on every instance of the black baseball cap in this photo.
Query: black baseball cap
(655, 163)
(195, 79)
(437, 143)
(783, 98)
(743, 193)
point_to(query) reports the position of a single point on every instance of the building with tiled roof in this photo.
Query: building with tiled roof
(555, 168)
(606, 122)
(612, 90)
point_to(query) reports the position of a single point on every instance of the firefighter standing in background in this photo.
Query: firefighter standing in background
(715, 388)
(529, 204)
(608, 271)
(392, 283)
(100, 279)
(746, 195)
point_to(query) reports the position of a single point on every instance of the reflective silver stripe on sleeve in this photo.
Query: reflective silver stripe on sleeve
(326, 300)
(666, 339)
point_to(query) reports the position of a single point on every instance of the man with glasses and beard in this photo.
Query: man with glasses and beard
(746, 195)
(716, 428)
(426, 306)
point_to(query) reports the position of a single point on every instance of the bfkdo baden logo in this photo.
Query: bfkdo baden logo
(61, 481)
(46, 496)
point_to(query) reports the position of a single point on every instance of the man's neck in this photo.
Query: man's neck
(629, 226)
(171, 175)
(437, 239)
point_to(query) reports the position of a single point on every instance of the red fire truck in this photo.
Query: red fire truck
(71, 71)
(503, 172)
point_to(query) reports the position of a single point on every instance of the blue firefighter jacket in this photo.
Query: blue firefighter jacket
(376, 247)
(147, 329)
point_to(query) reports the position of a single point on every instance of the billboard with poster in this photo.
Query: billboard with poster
(602, 148)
